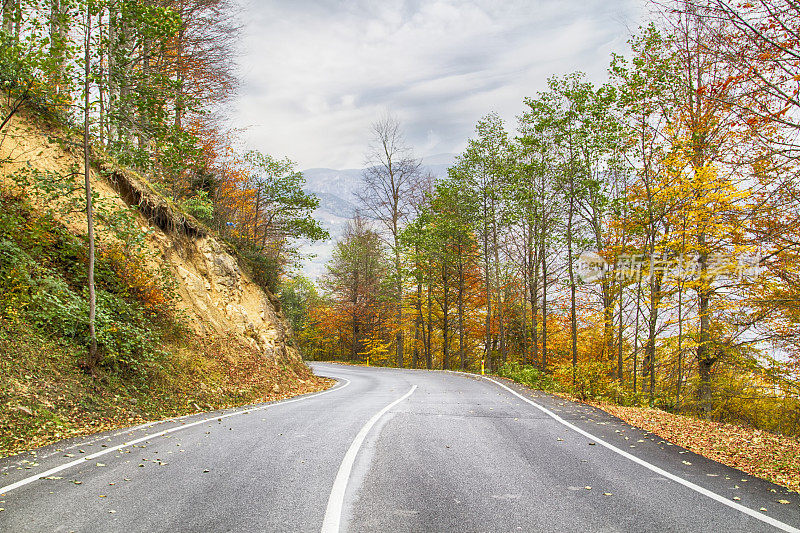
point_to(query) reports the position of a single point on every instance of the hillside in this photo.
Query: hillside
(181, 324)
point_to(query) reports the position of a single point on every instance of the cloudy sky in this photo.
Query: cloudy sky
(316, 73)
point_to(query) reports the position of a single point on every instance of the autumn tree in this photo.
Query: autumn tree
(389, 177)
(356, 279)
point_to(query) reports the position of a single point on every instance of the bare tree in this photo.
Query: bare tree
(389, 178)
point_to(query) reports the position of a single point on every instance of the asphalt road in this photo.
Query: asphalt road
(387, 450)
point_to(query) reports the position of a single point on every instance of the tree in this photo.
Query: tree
(483, 167)
(93, 353)
(355, 279)
(391, 174)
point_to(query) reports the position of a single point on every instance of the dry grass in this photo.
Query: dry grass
(45, 397)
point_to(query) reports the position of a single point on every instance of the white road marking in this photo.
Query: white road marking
(54, 470)
(697, 488)
(333, 512)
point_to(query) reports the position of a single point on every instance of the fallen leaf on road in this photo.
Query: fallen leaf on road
(785, 502)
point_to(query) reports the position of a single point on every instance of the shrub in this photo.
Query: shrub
(528, 375)
(265, 269)
(54, 307)
(200, 207)
(15, 282)
(124, 335)
(126, 273)
(592, 379)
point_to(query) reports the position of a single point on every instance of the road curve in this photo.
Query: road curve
(387, 450)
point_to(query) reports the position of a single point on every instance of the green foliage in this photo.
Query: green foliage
(15, 280)
(58, 310)
(297, 295)
(42, 282)
(593, 380)
(125, 336)
(282, 205)
(265, 269)
(528, 375)
(588, 380)
(200, 206)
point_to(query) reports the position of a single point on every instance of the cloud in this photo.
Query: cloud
(316, 74)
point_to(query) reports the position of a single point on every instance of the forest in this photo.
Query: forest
(634, 241)
(152, 83)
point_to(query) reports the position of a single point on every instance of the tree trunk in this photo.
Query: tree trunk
(428, 347)
(417, 327)
(179, 75)
(354, 347)
(10, 15)
(636, 334)
(533, 266)
(399, 288)
(487, 351)
(94, 358)
(445, 318)
(498, 287)
(705, 357)
(58, 38)
(544, 308)
(680, 346)
(620, 370)
(461, 362)
(650, 347)
(572, 311)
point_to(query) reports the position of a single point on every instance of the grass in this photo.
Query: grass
(45, 397)
(152, 368)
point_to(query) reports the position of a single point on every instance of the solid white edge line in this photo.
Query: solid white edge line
(333, 512)
(697, 488)
(47, 473)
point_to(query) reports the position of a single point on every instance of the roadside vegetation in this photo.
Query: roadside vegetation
(133, 93)
(152, 365)
(764, 454)
(633, 241)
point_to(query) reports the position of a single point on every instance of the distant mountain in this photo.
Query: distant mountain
(333, 204)
(338, 201)
(341, 183)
